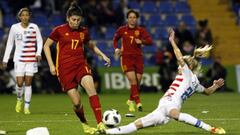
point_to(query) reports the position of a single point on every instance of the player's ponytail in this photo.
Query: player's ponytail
(192, 61)
(74, 9)
(202, 52)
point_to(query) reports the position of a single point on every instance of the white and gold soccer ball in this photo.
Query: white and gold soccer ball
(111, 118)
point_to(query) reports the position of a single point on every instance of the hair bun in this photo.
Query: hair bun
(74, 4)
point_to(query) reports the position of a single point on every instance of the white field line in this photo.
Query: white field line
(55, 121)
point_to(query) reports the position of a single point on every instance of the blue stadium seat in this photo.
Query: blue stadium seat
(56, 19)
(189, 20)
(161, 33)
(166, 7)
(134, 5)
(94, 33)
(182, 7)
(102, 45)
(41, 20)
(149, 7)
(4, 6)
(110, 32)
(155, 20)
(171, 20)
(8, 20)
(46, 31)
(150, 49)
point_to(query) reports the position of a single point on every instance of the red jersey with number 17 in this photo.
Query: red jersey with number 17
(128, 35)
(70, 44)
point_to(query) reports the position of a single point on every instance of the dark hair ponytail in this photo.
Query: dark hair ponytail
(74, 9)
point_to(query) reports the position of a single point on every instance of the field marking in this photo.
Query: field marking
(54, 121)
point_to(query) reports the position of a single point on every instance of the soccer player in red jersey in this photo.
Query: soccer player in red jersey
(133, 37)
(71, 66)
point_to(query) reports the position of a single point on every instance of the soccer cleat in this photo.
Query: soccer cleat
(101, 127)
(27, 111)
(18, 107)
(131, 106)
(88, 130)
(139, 107)
(219, 130)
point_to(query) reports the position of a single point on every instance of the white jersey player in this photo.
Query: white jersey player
(28, 43)
(184, 85)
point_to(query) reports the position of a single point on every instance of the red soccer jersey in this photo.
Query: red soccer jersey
(70, 44)
(128, 35)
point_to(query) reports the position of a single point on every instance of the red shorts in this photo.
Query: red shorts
(131, 62)
(70, 76)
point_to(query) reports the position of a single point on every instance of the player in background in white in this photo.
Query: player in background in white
(184, 85)
(28, 43)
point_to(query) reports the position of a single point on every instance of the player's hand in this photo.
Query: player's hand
(39, 58)
(219, 82)
(171, 34)
(117, 52)
(4, 65)
(138, 41)
(53, 70)
(107, 60)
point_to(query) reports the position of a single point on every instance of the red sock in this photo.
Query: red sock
(131, 96)
(135, 93)
(80, 113)
(96, 107)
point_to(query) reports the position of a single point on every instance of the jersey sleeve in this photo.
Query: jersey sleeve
(9, 46)
(200, 88)
(146, 37)
(54, 34)
(39, 41)
(87, 36)
(116, 37)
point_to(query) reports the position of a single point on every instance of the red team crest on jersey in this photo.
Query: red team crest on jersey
(136, 33)
(82, 36)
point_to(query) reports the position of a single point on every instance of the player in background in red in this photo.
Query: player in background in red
(71, 66)
(133, 38)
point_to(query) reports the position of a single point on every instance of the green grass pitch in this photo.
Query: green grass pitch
(55, 113)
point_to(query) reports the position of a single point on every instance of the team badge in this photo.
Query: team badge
(125, 33)
(66, 34)
(136, 32)
(82, 36)
(19, 36)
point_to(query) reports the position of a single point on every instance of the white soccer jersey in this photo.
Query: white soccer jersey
(184, 85)
(28, 43)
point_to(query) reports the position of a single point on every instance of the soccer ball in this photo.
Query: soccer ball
(111, 118)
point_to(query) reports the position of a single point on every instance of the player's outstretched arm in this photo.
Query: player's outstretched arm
(216, 84)
(96, 50)
(49, 42)
(176, 50)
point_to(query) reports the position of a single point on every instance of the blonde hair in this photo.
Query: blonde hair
(192, 62)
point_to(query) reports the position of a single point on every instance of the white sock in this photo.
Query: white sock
(189, 119)
(28, 95)
(19, 91)
(123, 129)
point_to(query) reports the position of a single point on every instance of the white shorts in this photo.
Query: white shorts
(25, 68)
(161, 114)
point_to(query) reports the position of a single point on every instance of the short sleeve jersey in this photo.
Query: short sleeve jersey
(70, 43)
(128, 35)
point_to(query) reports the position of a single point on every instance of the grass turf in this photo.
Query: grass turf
(55, 113)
